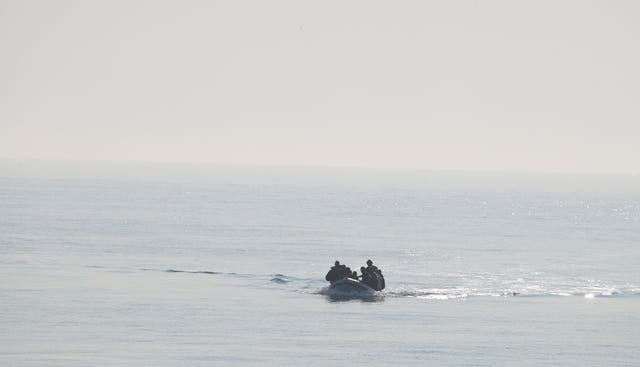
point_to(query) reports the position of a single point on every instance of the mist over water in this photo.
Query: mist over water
(227, 267)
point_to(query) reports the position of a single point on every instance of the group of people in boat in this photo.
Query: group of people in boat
(371, 275)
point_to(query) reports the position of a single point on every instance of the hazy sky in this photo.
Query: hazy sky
(469, 85)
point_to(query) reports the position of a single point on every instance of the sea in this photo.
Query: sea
(153, 264)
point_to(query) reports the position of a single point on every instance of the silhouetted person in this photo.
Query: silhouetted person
(346, 272)
(376, 275)
(354, 275)
(366, 277)
(335, 273)
(371, 267)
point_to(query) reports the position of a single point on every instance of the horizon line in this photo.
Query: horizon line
(319, 167)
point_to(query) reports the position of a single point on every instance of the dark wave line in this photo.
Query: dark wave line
(189, 272)
(281, 279)
(276, 278)
(193, 272)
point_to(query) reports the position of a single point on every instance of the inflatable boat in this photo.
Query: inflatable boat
(348, 286)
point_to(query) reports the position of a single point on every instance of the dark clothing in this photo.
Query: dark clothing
(367, 279)
(376, 281)
(371, 276)
(333, 275)
(338, 272)
(365, 276)
(376, 278)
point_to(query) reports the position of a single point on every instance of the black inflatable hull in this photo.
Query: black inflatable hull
(350, 286)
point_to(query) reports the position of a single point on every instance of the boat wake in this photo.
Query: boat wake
(319, 287)
(281, 279)
(462, 293)
(192, 272)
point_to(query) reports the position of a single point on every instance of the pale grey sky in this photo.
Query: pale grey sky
(455, 85)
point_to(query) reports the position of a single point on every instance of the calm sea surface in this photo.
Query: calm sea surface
(117, 272)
